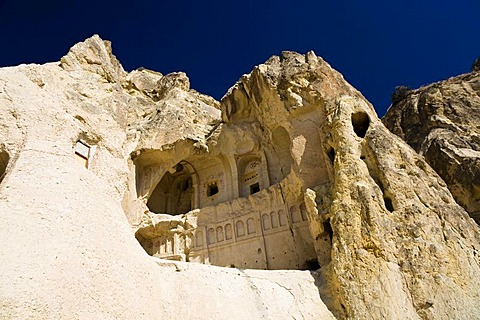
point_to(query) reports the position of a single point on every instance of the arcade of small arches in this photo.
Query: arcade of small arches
(258, 239)
(270, 221)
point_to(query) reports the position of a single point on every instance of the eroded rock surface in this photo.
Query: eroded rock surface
(391, 219)
(442, 122)
(292, 170)
(68, 132)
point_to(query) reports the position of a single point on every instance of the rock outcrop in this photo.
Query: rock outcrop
(441, 122)
(68, 250)
(476, 65)
(391, 219)
(292, 170)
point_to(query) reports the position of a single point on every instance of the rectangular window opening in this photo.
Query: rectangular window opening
(212, 189)
(254, 188)
(82, 151)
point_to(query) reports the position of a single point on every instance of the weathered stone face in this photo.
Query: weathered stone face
(380, 204)
(70, 205)
(441, 122)
(292, 170)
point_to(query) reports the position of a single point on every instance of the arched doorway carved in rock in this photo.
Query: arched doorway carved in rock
(176, 192)
(250, 176)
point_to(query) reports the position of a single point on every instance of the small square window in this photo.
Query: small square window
(254, 188)
(212, 189)
(83, 153)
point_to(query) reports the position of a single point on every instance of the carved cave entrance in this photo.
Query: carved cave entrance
(175, 193)
(275, 236)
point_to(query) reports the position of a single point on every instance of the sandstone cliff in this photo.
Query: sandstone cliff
(441, 122)
(91, 157)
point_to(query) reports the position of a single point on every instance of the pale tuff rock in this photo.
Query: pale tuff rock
(167, 102)
(94, 55)
(441, 122)
(393, 222)
(68, 251)
(392, 217)
(295, 172)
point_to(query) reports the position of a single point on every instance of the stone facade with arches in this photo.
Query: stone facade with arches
(236, 205)
(237, 197)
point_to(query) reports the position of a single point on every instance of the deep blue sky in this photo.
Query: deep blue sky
(377, 45)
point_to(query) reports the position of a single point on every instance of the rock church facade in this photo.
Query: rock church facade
(228, 209)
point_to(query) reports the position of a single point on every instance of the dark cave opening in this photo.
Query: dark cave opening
(312, 265)
(328, 229)
(360, 122)
(331, 154)
(388, 204)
